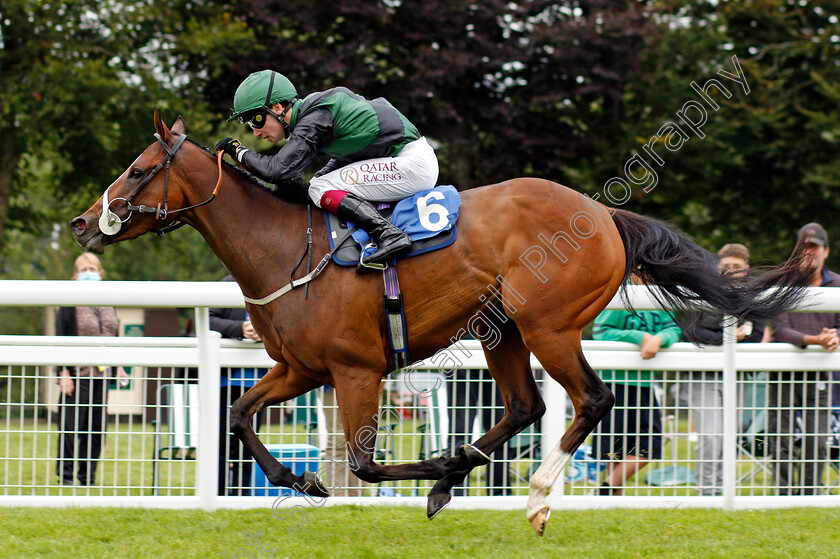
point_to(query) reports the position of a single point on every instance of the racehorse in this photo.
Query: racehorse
(536, 261)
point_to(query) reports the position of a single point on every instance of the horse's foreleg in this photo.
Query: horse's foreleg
(281, 383)
(563, 360)
(509, 364)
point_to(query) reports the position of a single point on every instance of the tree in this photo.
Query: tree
(568, 91)
(768, 162)
(78, 81)
(504, 89)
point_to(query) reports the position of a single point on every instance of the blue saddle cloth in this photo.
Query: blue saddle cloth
(428, 218)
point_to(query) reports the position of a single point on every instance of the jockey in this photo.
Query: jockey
(376, 153)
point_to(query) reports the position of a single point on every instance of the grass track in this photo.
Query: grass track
(403, 532)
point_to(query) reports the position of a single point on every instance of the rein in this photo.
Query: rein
(110, 223)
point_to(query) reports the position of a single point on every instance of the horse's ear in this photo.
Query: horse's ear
(160, 127)
(180, 126)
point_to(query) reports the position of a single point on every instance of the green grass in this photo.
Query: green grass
(403, 532)
(125, 467)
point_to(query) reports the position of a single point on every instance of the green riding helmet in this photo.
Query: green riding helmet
(261, 89)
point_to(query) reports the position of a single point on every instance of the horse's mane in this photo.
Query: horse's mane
(293, 191)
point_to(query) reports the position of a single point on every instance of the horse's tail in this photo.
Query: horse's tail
(688, 275)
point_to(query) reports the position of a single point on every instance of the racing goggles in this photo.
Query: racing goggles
(254, 119)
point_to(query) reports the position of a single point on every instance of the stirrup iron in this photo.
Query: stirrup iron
(371, 265)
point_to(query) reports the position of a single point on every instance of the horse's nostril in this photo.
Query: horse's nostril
(79, 224)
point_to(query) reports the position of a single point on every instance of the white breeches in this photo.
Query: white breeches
(386, 179)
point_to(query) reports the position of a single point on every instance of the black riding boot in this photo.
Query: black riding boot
(390, 240)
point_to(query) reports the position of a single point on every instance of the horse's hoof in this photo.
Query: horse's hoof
(313, 485)
(475, 457)
(539, 519)
(436, 503)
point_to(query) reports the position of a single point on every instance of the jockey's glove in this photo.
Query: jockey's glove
(232, 147)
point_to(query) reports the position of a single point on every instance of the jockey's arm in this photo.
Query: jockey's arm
(312, 131)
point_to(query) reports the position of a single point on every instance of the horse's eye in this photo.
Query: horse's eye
(135, 173)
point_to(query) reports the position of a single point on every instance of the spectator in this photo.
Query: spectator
(705, 392)
(84, 394)
(632, 432)
(235, 463)
(803, 392)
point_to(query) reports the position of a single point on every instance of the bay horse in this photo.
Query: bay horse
(540, 257)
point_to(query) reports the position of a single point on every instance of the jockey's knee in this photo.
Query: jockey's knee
(316, 190)
(319, 186)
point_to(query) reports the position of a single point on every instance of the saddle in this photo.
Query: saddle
(428, 218)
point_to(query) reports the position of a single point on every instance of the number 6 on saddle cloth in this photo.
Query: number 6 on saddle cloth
(428, 218)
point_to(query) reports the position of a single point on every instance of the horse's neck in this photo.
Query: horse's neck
(253, 233)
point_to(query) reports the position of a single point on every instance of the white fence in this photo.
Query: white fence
(132, 472)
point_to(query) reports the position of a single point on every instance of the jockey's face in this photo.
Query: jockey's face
(273, 130)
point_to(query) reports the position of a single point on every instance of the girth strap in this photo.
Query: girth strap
(305, 279)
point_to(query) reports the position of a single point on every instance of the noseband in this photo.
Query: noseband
(110, 223)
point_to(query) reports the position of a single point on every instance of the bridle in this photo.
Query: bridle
(110, 223)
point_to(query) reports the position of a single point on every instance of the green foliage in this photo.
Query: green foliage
(503, 88)
(769, 161)
(78, 82)
(568, 91)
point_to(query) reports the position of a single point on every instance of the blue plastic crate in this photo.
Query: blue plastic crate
(299, 457)
(584, 468)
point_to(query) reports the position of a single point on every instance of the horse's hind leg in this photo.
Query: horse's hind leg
(281, 383)
(357, 392)
(563, 359)
(509, 364)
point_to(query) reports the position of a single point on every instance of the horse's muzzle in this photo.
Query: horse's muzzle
(79, 225)
(89, 237)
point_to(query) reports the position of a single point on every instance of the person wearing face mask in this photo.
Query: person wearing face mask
(83, 404)
(377, 154)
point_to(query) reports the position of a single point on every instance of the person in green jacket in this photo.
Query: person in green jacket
(376, 153)
(631, 434)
